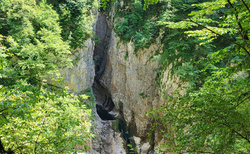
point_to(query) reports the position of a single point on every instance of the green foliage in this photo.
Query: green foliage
(41, 122)
(126, 56)
(211, 56)
(76, 20)
(4, 51)
(137, 25)
(143, 95)
(38, 50)
(213, 118)
(132, 149)
(148, 2)
(181, 51)
(104, 3)
(35, 116)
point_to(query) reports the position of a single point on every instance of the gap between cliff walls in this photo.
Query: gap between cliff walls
(105, 107)
(104, 102)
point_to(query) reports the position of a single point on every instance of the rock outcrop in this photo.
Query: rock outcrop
(125, 89)
(129, 79)
(81, 76)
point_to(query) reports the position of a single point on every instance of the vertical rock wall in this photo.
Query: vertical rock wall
(126, 79)
(130, 79)
(81, 76)
(107, 139)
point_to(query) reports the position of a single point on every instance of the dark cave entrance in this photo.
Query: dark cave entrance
(104, 102)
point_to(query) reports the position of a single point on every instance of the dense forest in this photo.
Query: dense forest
(37, 38)
(204, 45)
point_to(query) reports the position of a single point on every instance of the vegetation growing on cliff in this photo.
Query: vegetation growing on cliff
(76, 19)
(37, 116)
(137, 25)
(212, 115)
(206, 44)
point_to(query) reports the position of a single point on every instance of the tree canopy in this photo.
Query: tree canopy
(212, 115)
(205, 44)
(36, 116)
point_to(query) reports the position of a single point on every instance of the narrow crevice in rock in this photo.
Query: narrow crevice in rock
(122, 129)
(105, 107)
(104, 102)
(122, 126)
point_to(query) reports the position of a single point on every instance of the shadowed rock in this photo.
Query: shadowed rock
(104, 102)
(103, 114)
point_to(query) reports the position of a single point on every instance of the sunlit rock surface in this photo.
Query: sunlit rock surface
(81, 75)
(129, 80)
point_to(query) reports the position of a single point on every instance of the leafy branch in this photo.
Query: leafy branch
(236, 132)
(245, 37)
(242, 101)
(245, 5)
(200, 25)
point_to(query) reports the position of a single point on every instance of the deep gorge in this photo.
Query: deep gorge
(122, 76)
(104, 102)
(103, 98)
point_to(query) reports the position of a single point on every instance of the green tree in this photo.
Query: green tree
(42, 122)
(213, 114)
(35, 116)
(137, 25)
(38, 50)
(76, 20)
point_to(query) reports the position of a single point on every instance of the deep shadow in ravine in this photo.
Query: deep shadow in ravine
(104, 102)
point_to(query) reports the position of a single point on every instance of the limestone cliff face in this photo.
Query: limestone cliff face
(81, 76)
(125, 88)
(129, 79)
(131, 82)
